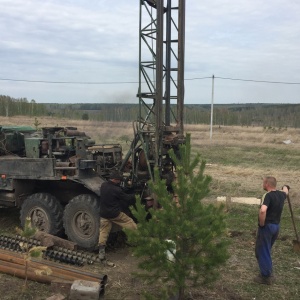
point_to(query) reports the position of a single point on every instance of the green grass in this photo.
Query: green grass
(232, 189)
(246, 156)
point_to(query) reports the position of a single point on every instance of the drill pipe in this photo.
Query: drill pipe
(81, 272)
(57, 270)
(19, 271)
(33, 274)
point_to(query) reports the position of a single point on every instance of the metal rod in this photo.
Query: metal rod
(65, 168)
(159, 77)
(168, 64)
(19, 271)
(181, 53)
(292, 216)
(140, 72)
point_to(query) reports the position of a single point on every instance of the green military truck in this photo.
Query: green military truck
(54, 177)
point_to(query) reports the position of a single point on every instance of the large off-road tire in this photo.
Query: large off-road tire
(45, 211)
(81, 221)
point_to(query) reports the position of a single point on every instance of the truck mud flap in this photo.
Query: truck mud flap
(93, 183)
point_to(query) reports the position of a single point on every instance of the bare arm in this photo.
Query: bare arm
(262, 215)
(285, 189)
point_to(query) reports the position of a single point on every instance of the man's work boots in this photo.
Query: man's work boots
(101, 252)
(103, 259)
(263, 280)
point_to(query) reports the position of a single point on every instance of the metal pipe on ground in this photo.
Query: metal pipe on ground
(57, 270)
(19, 271)
(73, 270)
(31, 273)
(37, 273)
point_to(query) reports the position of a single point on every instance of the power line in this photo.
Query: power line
(67, 82)
(259, 81)
(198, 78)
(136, 82)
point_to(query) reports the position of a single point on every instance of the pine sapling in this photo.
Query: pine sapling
(183, 242)
(30, 252)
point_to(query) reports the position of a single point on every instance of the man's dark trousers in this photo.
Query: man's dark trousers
(266, 236)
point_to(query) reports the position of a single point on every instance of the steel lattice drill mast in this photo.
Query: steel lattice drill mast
(161, 86)
(161, 61)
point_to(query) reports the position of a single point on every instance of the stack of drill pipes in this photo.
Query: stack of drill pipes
(17, 262)
(101, 278)
(19, 271)
(57, 270)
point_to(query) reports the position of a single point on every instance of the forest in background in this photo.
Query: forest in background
(258, 114)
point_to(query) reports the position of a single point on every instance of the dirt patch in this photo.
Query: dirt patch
(12, 288)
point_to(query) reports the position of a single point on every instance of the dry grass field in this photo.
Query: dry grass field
(237, 159)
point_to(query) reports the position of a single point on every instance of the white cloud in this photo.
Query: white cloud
(251, 40)
(97, 41)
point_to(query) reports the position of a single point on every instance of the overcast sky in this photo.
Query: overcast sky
(97, 41)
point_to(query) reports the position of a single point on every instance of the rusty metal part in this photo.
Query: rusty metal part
(70, 132)
(142, 161)
(19, 271)
(49, 240)
(63, 164)
(44, 147)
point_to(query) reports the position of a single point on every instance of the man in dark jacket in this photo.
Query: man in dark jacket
(268, 227)
(112, 201)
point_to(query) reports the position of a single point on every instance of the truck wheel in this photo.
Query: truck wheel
(81, 221)
(45, 212)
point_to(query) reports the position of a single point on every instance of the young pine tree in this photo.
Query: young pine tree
(30, 252)
(184, 241)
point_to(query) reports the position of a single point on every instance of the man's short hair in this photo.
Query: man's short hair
(116, 175)
(271, 181)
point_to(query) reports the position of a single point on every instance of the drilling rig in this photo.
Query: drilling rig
(54, 176)
(159, 126)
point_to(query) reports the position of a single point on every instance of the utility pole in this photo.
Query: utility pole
(212, 106)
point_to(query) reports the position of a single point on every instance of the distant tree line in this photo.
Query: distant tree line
(96, 112)
(266, 115)
(13, 107)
